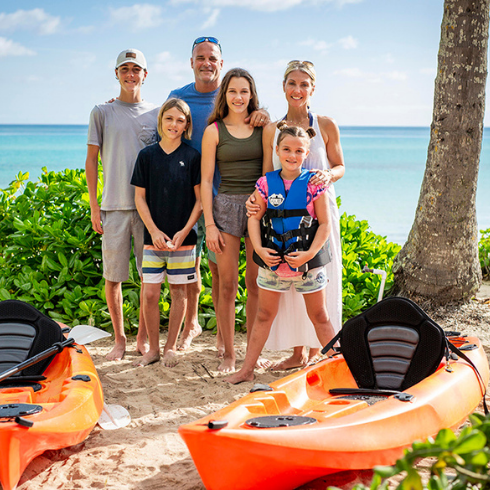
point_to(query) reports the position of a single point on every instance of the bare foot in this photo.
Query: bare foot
(290, 363)
(117, 352)
(263, 363)
(142, 348)
(147, 359)
(239, 377)
(187, 337)
(170, 359)
(227, 365)
(313, 355)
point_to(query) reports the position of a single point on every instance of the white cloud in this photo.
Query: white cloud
(173, 69)
(428, 71)
(138, 16)
(341, 3)
(11, 48)
(348, 42)
(211, 20)
(264, 5)
(36, 19)
(323, 47)
(372, 77)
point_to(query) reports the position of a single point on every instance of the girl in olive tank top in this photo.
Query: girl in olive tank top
(236, 148)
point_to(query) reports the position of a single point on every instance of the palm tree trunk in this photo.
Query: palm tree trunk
(439, 261)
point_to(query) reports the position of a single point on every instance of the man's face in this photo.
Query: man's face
(206, 62)
(131, 77)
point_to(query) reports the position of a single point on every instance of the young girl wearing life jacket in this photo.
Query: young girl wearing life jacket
(289, 235)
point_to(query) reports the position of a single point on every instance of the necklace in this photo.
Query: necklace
(302, 122)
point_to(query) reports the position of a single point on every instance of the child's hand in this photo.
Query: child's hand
(269, 256)
(160, 240)
(214, 239)
(252, 208)
(297, 259)
(178, 238)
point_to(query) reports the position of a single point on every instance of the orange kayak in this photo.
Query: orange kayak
(66, 407)
(244, 446)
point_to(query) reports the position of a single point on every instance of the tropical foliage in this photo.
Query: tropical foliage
(484, 252)
(458, 462)
(51, 257)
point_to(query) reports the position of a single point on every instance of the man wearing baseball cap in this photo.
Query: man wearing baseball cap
(118, 131)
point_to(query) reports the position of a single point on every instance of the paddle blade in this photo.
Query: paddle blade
(84, 334)
(114, 417)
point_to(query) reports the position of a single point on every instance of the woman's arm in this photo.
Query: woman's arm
(158, 238)
(331, 136)
(210, 141)
(268, 147)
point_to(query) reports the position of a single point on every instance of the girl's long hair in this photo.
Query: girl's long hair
(220, 110)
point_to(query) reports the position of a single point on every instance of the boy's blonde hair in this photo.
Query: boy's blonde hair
(182, 107)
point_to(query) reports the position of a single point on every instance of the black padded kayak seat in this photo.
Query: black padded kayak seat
(24, 333)
(392, 346)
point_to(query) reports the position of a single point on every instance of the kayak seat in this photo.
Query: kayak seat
(24, 333)
(391, 346)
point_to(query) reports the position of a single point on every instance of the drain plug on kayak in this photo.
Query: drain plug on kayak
(271, 421)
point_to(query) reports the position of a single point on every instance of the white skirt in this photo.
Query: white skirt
(292, 327)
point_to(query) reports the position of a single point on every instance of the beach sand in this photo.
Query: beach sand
(149, 453)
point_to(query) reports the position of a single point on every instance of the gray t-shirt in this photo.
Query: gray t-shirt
(121, 130)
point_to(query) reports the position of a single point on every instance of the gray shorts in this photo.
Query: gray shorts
(119, 227)
(230, 214)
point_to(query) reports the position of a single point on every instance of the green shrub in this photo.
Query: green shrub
(484, 252)
(51, 257)
(466, 455)
(361, 247)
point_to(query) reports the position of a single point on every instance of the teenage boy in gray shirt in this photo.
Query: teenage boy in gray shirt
(119, 131)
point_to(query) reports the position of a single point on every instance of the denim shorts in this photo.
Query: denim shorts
(315, 280)
(230, 214)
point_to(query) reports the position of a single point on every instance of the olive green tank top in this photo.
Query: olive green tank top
(239, 161)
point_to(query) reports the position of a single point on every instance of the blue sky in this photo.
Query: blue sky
(376, 59)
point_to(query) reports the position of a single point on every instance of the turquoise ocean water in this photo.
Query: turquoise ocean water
(384, 168)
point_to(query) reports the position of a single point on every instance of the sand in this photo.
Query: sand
(149, 454)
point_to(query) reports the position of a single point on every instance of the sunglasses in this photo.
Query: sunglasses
(200, 40)
(301, 62)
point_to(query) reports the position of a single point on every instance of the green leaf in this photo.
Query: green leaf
(474, 441)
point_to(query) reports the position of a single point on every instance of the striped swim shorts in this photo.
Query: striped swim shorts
(179, 266)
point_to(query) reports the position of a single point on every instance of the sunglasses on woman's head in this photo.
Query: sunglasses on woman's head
(301, 62)
(201, 40)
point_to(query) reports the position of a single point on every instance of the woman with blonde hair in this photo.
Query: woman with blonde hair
(291, 327)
